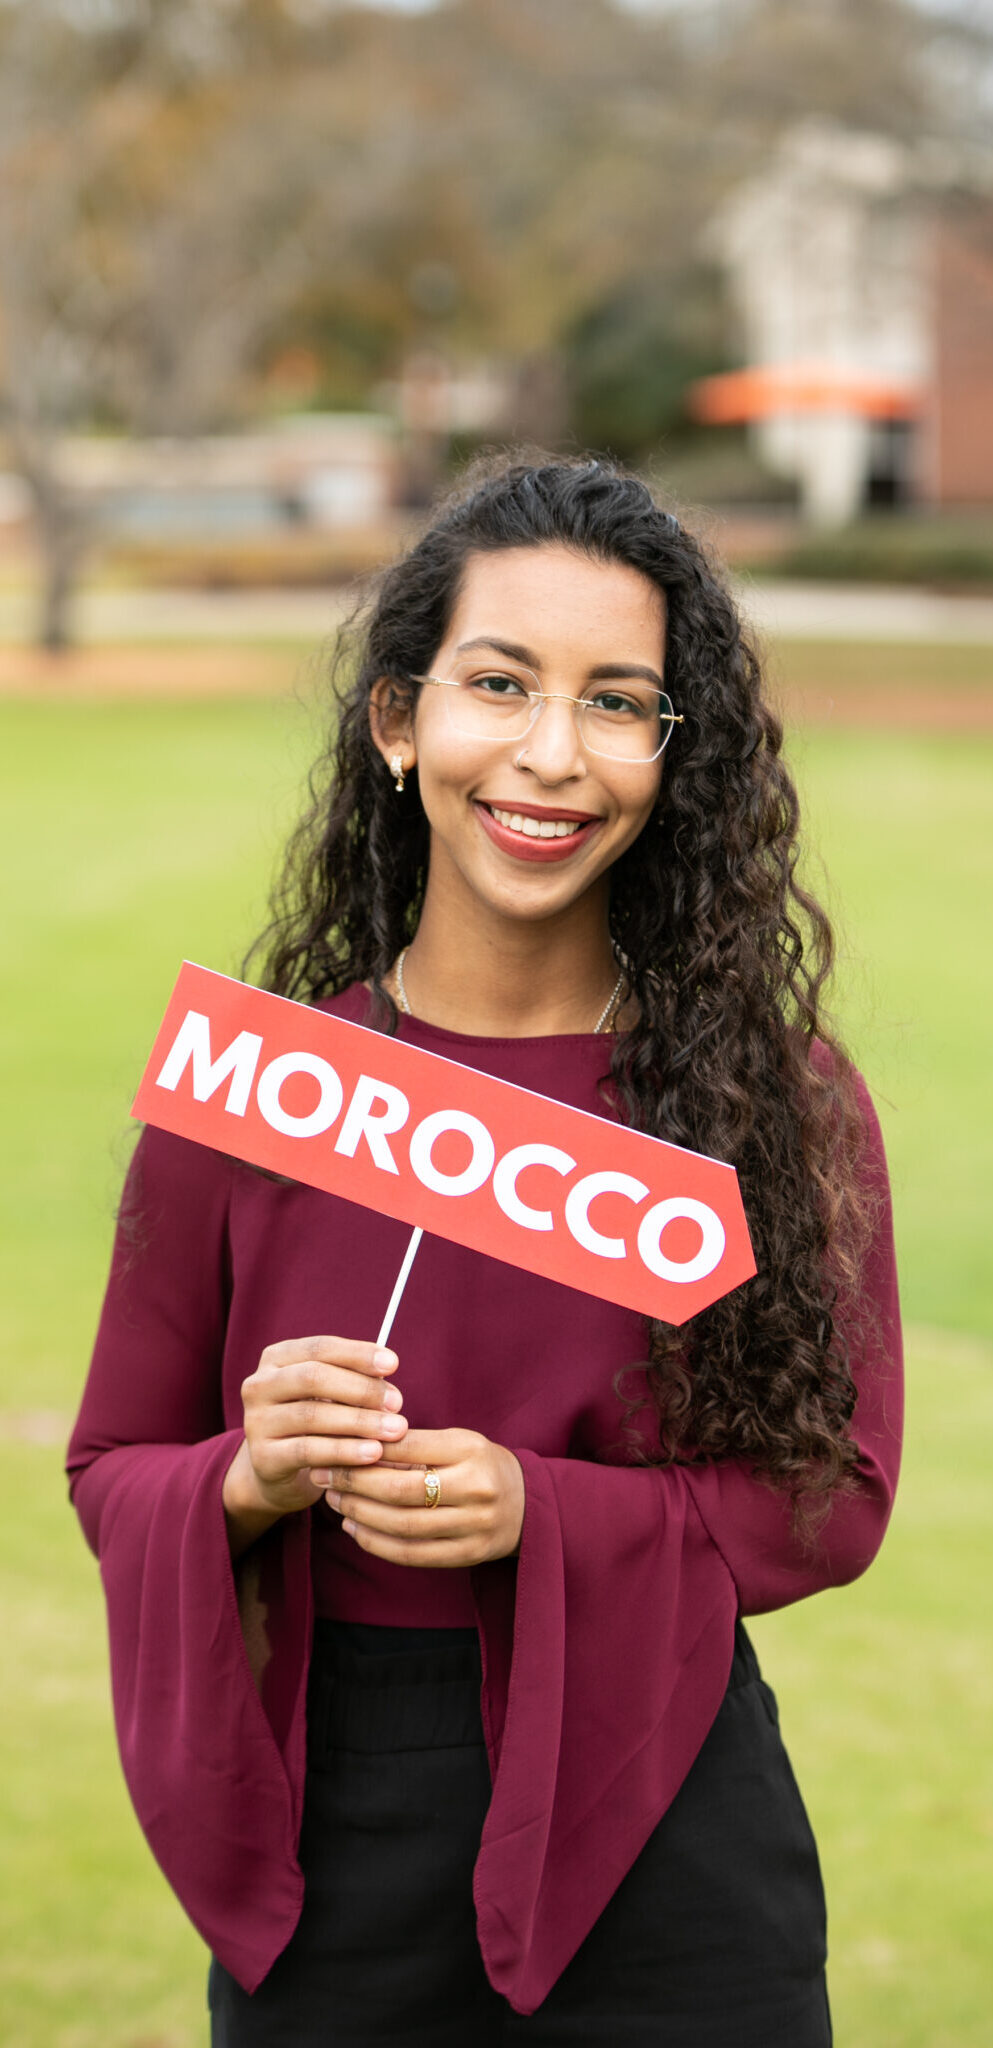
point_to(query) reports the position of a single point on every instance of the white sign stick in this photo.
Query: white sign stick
(401, 1282)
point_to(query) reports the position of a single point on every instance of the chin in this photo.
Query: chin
(539, 895)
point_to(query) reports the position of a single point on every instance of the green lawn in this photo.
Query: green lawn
(131, 834)
(886, 1698)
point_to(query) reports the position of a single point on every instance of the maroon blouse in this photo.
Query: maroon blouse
(607, 1642)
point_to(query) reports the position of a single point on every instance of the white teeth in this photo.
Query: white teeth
(535, 828)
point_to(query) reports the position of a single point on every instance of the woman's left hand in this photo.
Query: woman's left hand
(478, 1517)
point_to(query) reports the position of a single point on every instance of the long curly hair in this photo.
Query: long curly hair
(725, 952)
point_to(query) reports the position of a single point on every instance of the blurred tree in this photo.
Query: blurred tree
(854, 61)
(189, 189)
(630, 358)
(161, 212)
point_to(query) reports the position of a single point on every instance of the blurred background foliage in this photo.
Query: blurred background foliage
(213, 208)
(205, 180)
(214, 213)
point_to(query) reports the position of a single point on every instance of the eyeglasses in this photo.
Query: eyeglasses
(628, 721)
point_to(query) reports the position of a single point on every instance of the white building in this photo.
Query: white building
(827, 256)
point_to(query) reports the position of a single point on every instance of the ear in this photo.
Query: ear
(391, 722)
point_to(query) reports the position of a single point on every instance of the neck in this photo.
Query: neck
(511, 978)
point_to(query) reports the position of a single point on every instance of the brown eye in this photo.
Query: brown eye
(495, 684)
(615, 704)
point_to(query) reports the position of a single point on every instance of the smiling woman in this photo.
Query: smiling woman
(543, 764)
(520, 1780)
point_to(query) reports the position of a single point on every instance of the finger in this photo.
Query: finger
(271, 1387)
(279, 1459)
(443, 1556)
(438, 1446)
(359, 1357)
(362, 1424)
(390, 1483)
(413, 1525)
(358, 1456)
(393, 1485)
(329, 1418)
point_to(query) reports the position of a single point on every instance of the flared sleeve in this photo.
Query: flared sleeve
(212, 1750)
(607, 1643)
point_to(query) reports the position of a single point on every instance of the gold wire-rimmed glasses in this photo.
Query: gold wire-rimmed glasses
(628, 720)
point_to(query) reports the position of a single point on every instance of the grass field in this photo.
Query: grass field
(134, 832)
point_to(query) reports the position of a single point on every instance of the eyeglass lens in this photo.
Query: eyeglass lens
(627, 720)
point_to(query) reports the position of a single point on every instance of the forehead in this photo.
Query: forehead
(561, 604)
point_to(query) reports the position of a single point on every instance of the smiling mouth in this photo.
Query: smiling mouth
(536, 828)
(532, 834)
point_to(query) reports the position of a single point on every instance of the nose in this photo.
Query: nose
(551, 748)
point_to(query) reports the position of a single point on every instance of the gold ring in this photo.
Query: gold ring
(432, 1488)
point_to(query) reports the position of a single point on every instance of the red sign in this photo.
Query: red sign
(402, 1131)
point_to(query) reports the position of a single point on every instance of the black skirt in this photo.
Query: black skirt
(714, 1939)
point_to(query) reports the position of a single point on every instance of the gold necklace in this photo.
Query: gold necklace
(603, 1022)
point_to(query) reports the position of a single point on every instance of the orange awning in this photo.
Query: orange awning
(763, 390)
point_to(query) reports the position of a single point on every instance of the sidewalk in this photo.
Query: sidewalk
(856, 611)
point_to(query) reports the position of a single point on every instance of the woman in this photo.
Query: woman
(524, 1752)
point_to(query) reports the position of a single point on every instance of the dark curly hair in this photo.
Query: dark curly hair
(725, 952)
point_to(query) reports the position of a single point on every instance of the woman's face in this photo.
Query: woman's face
(564, 616)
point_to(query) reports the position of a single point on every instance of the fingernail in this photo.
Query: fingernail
(368, 1451)
(392, 1397)
(335, 1500)
(391, 1425)
(384, 1361)
(349, 1528)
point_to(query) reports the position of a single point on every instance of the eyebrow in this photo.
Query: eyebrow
(605, 672)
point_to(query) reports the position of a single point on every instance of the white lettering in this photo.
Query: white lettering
(271, 1081)
(360, 1123)
(703, 1262)
(505, 1182)
(239, 1059)
(480, 1165)
(577, 1205)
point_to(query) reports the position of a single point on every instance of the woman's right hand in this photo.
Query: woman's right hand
(312, 1403)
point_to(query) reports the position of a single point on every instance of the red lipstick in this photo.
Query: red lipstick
(526, 847)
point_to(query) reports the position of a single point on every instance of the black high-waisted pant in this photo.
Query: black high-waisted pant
(714, 1939)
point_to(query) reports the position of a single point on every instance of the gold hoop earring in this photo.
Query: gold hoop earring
(396, 770)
